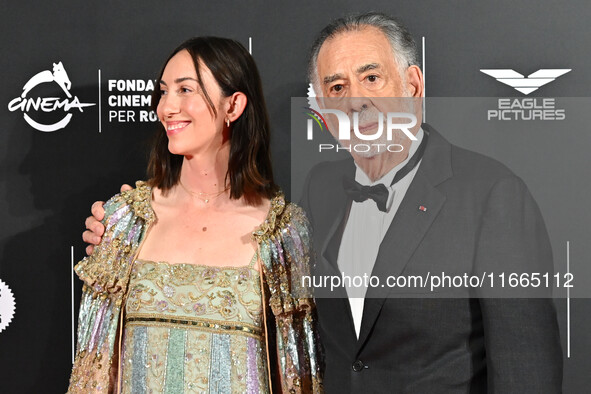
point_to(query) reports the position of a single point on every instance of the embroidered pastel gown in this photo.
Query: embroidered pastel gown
(193, 329)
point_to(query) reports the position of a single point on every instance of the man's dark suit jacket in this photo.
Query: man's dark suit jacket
(479, 217)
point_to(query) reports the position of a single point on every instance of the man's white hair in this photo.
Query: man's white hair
(402, 44)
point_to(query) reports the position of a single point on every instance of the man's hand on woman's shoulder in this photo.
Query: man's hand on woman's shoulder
(94, 227)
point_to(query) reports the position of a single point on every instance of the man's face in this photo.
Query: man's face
(359, 64)
(357, 72)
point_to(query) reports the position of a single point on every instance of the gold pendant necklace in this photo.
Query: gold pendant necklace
(205, 197)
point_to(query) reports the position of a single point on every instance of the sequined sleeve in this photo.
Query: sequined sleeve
(106, 275)
(285, 252)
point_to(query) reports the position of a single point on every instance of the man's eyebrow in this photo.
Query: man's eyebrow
(367, 67)
(362, 69)
(332, 78)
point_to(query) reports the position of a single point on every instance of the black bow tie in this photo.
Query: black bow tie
(379, 193)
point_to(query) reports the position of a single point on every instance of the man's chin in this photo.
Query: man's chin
(367, 155)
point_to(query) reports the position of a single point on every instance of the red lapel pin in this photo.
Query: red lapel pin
(422, 208)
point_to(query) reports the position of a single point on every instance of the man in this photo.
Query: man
(444, 207)
(449, 210)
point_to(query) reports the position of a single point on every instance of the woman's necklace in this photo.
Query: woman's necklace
(205, 197)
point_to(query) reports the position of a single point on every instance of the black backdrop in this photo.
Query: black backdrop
(49, 179)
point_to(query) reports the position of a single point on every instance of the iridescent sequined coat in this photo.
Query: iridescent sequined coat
(290, 322)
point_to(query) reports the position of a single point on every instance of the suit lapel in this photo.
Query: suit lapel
(335, 215)
(409, 226)
(337, 208)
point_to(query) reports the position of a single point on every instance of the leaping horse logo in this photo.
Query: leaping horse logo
(58, 76)
(48, 104)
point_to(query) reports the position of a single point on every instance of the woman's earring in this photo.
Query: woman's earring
(227, 122)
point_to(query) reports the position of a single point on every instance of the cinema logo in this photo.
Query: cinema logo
(526, 108)
(375, 138)
(48, 104)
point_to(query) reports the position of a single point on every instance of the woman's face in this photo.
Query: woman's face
(190, 125)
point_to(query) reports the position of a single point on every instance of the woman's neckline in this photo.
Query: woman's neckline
(276, 203)
(250, 265)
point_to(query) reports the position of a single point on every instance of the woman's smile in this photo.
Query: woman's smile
(174, 127)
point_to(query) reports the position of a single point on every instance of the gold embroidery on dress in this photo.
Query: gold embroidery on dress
(229, 293)
(218, 326)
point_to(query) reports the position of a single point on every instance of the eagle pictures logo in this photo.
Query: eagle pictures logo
(27, 104)
(526, 108)
(529, 84)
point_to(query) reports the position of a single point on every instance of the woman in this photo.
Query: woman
(196, 283)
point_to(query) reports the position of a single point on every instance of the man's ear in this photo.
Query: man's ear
(415, 82)
(236, 105)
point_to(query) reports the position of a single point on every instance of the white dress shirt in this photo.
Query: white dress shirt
(365, 230)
